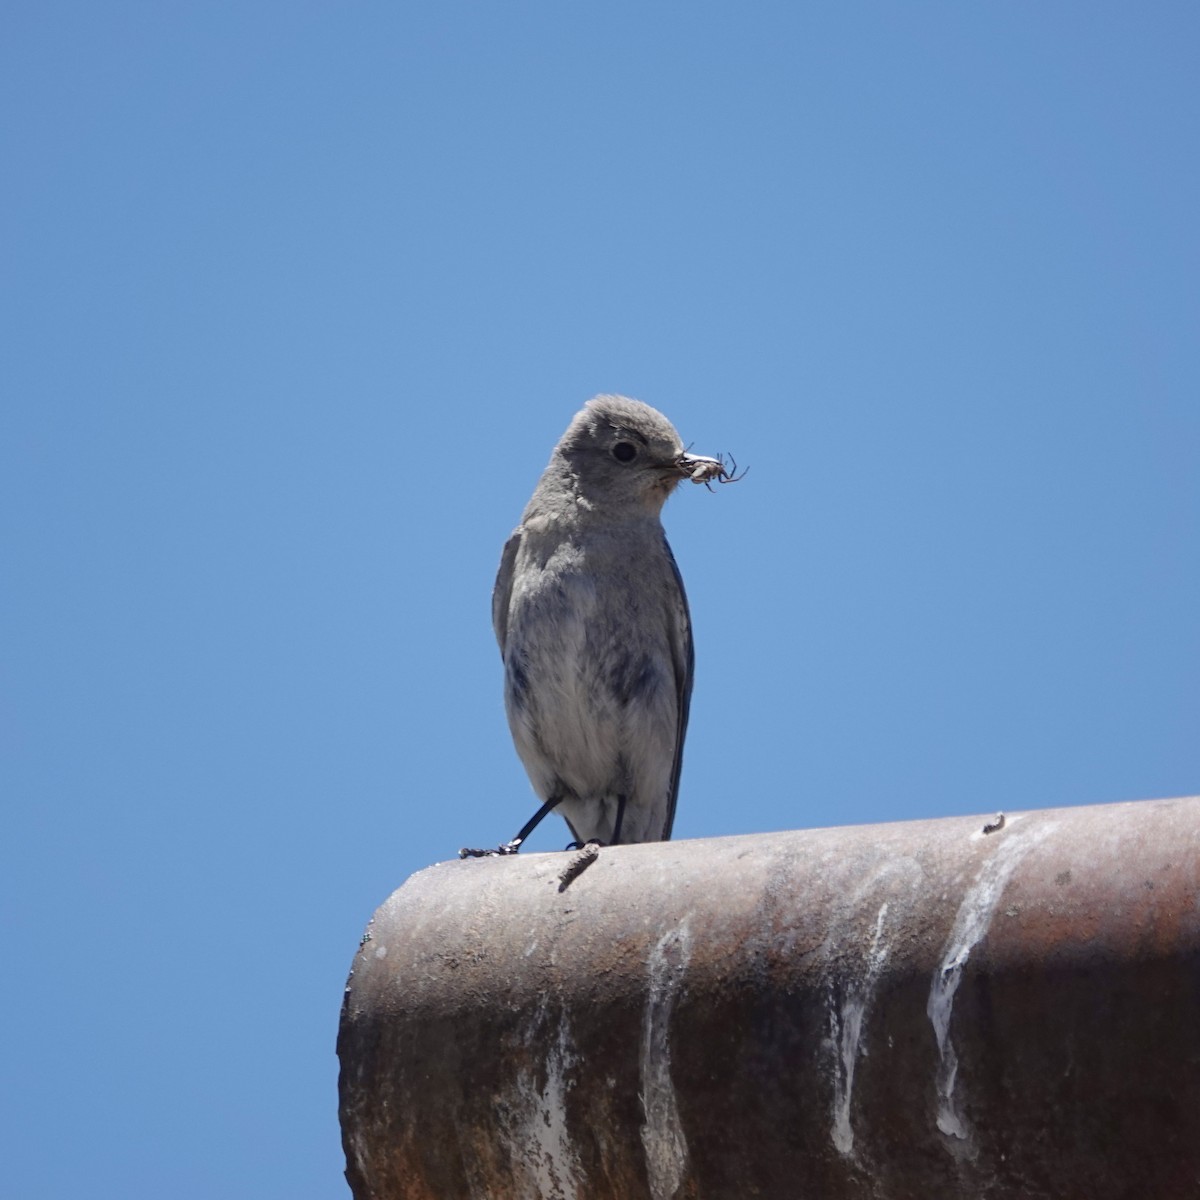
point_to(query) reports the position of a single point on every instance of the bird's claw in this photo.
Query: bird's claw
(501, 850)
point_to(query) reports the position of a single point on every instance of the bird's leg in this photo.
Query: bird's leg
(616, 837)
(515, 845)
(529, 826)
(616, 834)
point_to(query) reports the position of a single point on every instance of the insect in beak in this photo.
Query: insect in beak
(701, 469)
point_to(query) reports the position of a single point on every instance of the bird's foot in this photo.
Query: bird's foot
(583, 845)
(503, 849)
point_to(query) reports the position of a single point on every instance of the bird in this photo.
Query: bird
(595, 635)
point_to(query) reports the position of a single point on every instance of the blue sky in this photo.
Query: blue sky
(297, 299)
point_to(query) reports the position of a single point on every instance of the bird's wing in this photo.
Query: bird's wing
(683, 655)
(502, 591)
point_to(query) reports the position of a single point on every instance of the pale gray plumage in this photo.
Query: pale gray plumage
(593, 626)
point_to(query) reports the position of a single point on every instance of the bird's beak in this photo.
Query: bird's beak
(699, 468)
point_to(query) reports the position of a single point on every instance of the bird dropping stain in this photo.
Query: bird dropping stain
(846, 1019)
(662, 1132)
(535, 1122)
(970, 927)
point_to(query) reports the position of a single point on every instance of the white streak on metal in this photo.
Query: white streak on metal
(970, 926)
(847, 1022)
(536, 1126)
(662, 1133)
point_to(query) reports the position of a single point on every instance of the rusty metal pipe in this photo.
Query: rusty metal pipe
(919, 1010)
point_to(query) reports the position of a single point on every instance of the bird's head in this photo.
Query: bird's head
(623, 453)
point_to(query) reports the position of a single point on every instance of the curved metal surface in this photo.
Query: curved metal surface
(909, 1010)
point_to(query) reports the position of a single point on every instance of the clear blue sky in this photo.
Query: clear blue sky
(297, 299)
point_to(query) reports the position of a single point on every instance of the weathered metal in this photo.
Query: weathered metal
(914, 1010)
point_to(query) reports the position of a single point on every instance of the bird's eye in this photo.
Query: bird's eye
(624, 452)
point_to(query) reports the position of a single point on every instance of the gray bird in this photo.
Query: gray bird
(593, 626)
